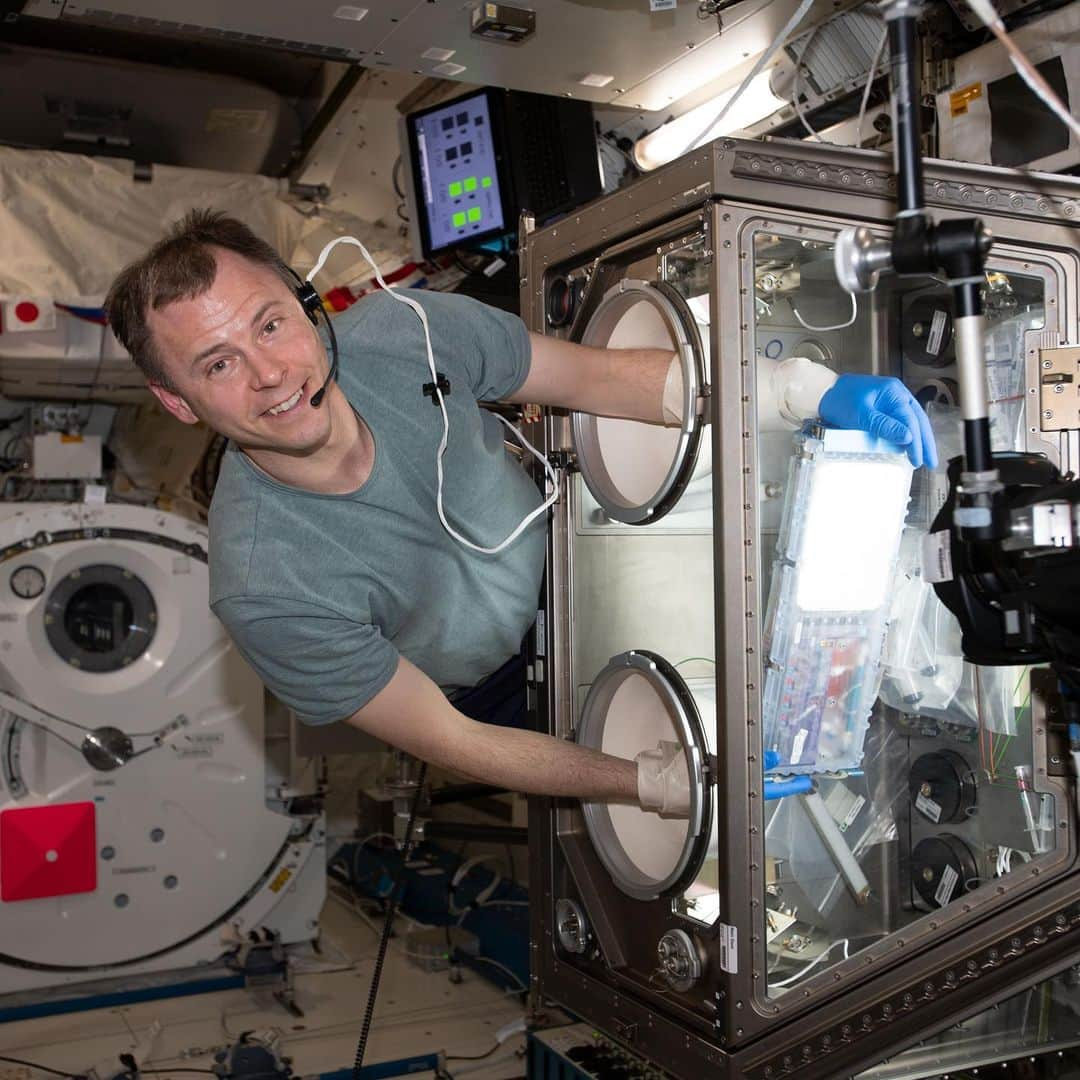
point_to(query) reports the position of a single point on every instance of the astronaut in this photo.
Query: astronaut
(329, 565)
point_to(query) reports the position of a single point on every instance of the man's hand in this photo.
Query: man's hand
(663, 780)
(885, 408)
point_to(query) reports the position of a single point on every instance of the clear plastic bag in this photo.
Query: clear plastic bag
(863, 805)
(925, 674)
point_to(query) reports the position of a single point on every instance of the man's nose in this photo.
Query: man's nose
(267, 370)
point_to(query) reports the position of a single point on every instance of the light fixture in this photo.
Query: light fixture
(353, 14)
(695, 127)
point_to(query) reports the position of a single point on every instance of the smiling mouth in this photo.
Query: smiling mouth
(288, 405)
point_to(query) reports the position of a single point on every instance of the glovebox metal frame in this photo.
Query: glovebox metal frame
(972, 953)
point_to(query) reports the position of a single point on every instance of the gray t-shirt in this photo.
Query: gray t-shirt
(321, 593)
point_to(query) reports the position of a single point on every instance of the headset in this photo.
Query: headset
(312, 304)
(436, 390)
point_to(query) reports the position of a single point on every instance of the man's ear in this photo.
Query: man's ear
(174, 403)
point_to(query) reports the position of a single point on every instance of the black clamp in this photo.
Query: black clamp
(441, 383)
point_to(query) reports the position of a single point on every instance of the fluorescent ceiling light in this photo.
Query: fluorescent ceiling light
(697, 126)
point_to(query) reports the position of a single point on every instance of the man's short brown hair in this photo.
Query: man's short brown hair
(181, 266)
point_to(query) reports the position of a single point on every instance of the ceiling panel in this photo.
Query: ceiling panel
(653, 58)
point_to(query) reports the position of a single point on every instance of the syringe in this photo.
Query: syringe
(1023, 782)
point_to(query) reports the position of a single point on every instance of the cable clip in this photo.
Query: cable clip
(442, 384)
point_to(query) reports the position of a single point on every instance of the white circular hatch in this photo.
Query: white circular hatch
(636, 701)
(133, 811)
(637, 471)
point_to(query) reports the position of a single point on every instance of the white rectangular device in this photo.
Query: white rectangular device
(66, 457)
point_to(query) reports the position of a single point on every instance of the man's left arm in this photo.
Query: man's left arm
(625, 383)
(647, 385)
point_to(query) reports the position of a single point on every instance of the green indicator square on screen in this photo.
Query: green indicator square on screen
(474, 213)
(470, 183)
(459, 219)
(486, 182)
(455, 189)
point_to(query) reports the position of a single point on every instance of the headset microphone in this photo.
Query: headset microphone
(311, 302)
(316, 398)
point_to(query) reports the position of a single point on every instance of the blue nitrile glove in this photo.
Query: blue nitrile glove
(884, 407)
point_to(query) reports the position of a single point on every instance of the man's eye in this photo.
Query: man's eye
(271, 326)
(216, 367)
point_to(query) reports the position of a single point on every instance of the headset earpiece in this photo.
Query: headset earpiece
(312, 304)
(309, 299)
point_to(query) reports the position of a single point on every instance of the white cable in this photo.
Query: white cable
(481, 897)
(870, 82)
(488, 903)
(548, 502)
(502, 967)
(1005, 857)
(813, 964)
(765, 57)
(1024, 67)
(838, 326)
(356, 910)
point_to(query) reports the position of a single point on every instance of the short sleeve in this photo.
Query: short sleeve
(491, 345)
(500, 363)
(319, 663)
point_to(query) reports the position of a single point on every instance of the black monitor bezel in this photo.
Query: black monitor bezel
(496, 116)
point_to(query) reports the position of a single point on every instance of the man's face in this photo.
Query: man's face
(244, 358)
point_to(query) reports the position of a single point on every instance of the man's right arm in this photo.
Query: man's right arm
(314, 660)
(411, 713)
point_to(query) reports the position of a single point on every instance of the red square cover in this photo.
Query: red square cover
(47, 851)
